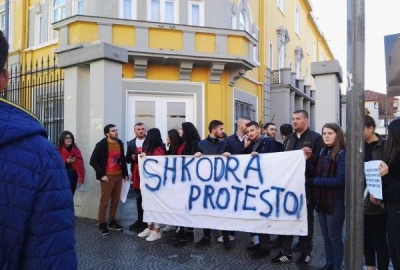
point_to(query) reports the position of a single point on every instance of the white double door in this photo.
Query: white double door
(159, 111)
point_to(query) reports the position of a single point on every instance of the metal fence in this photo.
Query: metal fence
(39, 88)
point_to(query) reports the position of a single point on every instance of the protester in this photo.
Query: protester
(236, 145)
(256, 144)
(133, 149)
(311, 143)
(191, 139)
(174, 147)
(389, 169)
(270, 131)
(152, 146)
(213, 145)
(285, 130)
(329, 188)
(36, 206)
(108, 161)
(375, 243)
(72, 158)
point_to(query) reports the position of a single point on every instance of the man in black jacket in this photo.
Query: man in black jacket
(213, 145)
(270, 130)
(255, 144)
(311, 143)
(108, 161)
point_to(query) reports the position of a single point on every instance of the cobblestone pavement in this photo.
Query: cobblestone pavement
(125, 250)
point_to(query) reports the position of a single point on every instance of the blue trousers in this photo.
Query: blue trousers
(331, 227)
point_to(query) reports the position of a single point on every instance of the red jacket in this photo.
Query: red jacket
(159, 151)
(78, 165)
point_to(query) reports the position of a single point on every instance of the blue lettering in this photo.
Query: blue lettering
(185, 169)
(277, 203)
(263, 214)
(246, 195)
(301, 206)
(193, 197)
(295, 203)
(151, 175)
(172, 169)
(208, 192)
(238, 190)
(233, 168)
(227, 198)
(219, 164)
(204, 170)
(257, 168)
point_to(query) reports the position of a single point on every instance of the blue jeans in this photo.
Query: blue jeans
(331, 227)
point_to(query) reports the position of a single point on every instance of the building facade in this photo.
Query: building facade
(164, 62)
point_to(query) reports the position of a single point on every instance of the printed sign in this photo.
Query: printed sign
(261, 194)
(373, 178)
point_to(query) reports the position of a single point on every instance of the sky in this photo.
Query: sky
(381, 18)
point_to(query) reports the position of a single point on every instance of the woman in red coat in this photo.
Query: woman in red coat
(72, 158)
(152, 146)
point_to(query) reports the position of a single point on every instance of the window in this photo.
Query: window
(297, 19)
(2, 20)
(281, 5)
(59, 13)
(271, 57)
(39, 38)
(78, 7)
(281, 56)
(299, 56)
(163, 11)
(244, 109)
(196, 13)
(315, 50)
(127, 9)
(242, 21)
(234, 22)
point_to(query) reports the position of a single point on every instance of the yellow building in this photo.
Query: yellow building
(159, 62)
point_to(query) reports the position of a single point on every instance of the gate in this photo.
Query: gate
(39, 89)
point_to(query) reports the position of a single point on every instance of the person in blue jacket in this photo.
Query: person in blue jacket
(36, 206)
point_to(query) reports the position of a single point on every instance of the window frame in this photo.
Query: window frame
(297, 17)
(271, 56)
(245, 18)
(39, 31)
(75, 7)
(162, 11)
(54, 34)
(201, 11)
(133, 10)
(281, 6)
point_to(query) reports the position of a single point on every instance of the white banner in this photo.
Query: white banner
(373, 178)
(260, 194)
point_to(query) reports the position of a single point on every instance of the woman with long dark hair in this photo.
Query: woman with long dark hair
(191, 139)
(72, 157)
(152, 146)
(389, 169)
(329, 188)
(174, 143)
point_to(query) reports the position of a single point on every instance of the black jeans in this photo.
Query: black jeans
(207, 234)
(305, 242)
(139, 204)
(393, 225)
(375, 241)
(73, 180)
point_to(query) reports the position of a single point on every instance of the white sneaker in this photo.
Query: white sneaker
(168, 228)
(255, 239)
(221, 238)
(145, 233)
(178, 229)
(153, 236)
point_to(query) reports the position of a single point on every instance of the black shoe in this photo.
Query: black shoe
(138, 224)
(227, 243)
(179, 235)
(304, 259)
(327, 266)
(260, 253)
(113, 225)
(103, 229)
(203, 242)
(188, 236)
(282, 257)
(253, 248)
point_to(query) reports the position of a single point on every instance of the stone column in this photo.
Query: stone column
(328, 76)
(280, 107)
(93, 99)
(299, 103)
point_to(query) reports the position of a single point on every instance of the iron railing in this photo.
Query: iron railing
(39, 88)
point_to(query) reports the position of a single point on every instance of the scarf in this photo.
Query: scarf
(78, 165)
(326, 168)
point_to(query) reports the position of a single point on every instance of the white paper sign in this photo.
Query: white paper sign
(261, 194)
(373, 178)
(124, 190)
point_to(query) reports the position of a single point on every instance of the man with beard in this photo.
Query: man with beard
(256, 144)
(270, 131)
(311, 143)
(133, 149)
(108, 161)
(213, 145)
